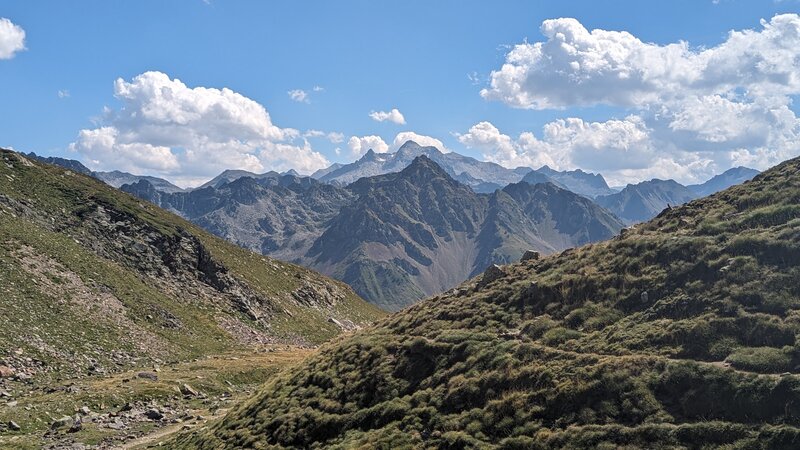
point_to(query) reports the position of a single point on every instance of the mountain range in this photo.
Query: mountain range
(641, 202)
(394, 238)
(481, 176)
(372, 235)
(679, 333)
(580, 182)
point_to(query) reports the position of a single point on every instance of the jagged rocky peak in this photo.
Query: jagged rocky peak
(411, 148)
(422, 168)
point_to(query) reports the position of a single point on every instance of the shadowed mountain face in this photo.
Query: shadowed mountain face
(394, 238)
(643, 201)
(679, 333)
(93, 277)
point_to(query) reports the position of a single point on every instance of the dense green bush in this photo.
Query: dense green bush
(761, 359)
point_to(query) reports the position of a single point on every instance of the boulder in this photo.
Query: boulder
(7, 372)
(13, 426)
(154, 414)
(77, 424)
(148, 376)
(530, 255)
(188, 391)
(492, 273)
(64, 422)
(117, 424)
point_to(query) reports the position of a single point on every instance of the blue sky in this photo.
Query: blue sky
(429, 60)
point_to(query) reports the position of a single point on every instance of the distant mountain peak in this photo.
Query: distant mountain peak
(730, 177)
(423, 166)
(408, 145)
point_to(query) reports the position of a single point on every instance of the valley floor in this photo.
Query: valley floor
(136, 408)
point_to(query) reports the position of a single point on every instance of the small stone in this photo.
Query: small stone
(13, 426)
(7, 372)
(154, 414)
(188, 390)
(11, 404)
(85, 410)
(77, 424)
(645, 297)
(148, 376)
(5, 394)
(64, 422)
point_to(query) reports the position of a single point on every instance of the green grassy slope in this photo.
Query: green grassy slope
(93, 279)
(680, 333)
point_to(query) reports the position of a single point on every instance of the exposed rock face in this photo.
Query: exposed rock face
(395, 237)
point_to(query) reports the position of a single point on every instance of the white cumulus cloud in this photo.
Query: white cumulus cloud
(394, 116)
(299, 96)
(693, 111)
(360, 145)
(190, 134)
(12, 39)
(578, 67)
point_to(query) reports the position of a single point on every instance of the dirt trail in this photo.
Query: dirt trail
(152, 439)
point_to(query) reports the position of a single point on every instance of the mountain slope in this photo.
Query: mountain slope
(730, 177)
(643, 201)
(679, 333)
(93, 279)
(71, 164)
